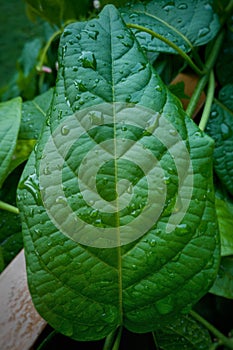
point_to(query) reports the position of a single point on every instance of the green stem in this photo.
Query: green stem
(46, 340)
(224, 340)
(118, 340)
(8, 207)
(203, 80)
(109, 340)
(171, 44)
(208, 103)
(45, 49)
(155, 340)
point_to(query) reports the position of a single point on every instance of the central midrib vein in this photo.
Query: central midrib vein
(116, 185)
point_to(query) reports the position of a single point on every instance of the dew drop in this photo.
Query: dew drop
(47, 171)
(75, 68)
(152, 243)
(226, 131)
(66, 32)
(88, 60)
(79, 85)
(183, 6)
(203, 31)
(78, 36)
(92, 33)
(61, 200)
(65, 130)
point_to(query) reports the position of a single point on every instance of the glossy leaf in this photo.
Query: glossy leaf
(183, 333)
(186, 23)
(10, 114)
(223, 285)
(34, 115)
(85, 290)
(220, 128)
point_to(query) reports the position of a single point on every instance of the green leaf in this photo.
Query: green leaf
(58, 11)
(224, 67)
(10, 114)
(183, 333)
(223, 285)
(224, 209)
(220, 128)
(34, 115)
(186, 23)
(11, 240)
(110, 261)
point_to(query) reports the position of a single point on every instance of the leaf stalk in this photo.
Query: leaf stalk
(9, 207)
(203, 80)
(171, 44)
(208, 103)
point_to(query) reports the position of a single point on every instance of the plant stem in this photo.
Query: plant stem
(203, 80)
(224, 340)
(171, 44)
(46, 340)
(118, 340)
(208, 103)
(8, 207)
(45, 49)
(109, 340)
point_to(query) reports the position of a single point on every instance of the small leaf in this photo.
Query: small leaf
(10, 114)
(220, 128)
(223, 285)
(34, 115)
(185, 23)
(183, 333)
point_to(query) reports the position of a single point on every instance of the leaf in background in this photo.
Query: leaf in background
(58, 11)
(186, 23)
(224, 209)
(224, 67)
(83, 290)
(34, 115)
(223, 285)
(183, 333)
(10, 114)
(16, 29)
(11, 240)
(220, 128)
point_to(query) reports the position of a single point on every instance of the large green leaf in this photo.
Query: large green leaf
(183, 333)
(186, 23)
(220, 128)
(10, 114)
(224, 209)
(223, 285)
(140, 244)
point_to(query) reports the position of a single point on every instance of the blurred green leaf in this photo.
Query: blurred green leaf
(10, 115)
(11, 241)
(59, 11)
(223, 285)
(34, 115)
(224, 211)
(224, 66)
(183, 333)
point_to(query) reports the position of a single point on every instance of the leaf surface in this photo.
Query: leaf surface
(220, 128)
(34, 116)
(223, 285)
(87, 289)
(183, 333)
(10, 114)
(185, 23)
